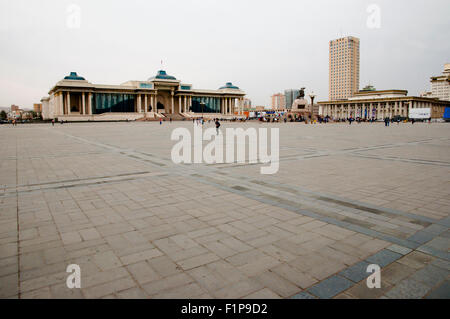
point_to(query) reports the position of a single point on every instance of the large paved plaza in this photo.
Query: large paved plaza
(107, 197)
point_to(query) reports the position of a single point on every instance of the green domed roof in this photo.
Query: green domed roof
(368, 88)
(74, 76)
(229, 85)
(163, 76)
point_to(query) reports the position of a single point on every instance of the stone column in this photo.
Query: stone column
(138, 104)
(152, 104)
(173, 102)
(179, 104)
(83, 104)
(68, 103)
(61, 103)
(185, 104)
(89, 104)
(145, 103)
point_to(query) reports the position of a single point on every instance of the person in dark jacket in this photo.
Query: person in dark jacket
(217, 126)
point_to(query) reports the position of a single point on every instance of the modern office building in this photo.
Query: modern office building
(343, 68)
(76, 99)
(278, 101)
(289, 97)
(378, 105)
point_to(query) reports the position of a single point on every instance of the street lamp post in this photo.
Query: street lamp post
(312, 96)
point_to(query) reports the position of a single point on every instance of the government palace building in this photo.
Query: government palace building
(372, 104)
(76, 99)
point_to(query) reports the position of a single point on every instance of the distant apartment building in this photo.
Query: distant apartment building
(14, 108)
(278, 101)
(37, 107)
(343, 68)
(289, 97)
(247, 103)
(440, 85)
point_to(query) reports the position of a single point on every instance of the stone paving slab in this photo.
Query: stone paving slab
(106, 196)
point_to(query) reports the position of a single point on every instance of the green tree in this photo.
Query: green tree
(3, 115)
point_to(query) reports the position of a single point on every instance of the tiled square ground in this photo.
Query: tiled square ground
(107, 197)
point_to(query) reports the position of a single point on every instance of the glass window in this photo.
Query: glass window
(112, 102)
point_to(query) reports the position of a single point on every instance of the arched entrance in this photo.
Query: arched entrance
(160, 106)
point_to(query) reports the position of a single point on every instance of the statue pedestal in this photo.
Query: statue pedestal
(300, 105)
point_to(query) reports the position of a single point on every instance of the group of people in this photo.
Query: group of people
(320, 119)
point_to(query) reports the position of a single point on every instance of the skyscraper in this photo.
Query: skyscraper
(289, 97)
(344, 68)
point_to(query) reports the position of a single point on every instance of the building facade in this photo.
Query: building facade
(343, 68)
(76, 99)
(440, 85)
(379, 105)
(289, 97)
(278, 101)
(37, 107)
(247, 103)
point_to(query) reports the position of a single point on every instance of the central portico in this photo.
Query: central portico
(74, 98)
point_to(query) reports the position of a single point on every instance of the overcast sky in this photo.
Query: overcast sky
(263, 47)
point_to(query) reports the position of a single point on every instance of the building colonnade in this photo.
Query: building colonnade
(81, 103)
(375, 109)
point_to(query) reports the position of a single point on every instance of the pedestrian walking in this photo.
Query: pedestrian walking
(217, 126)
